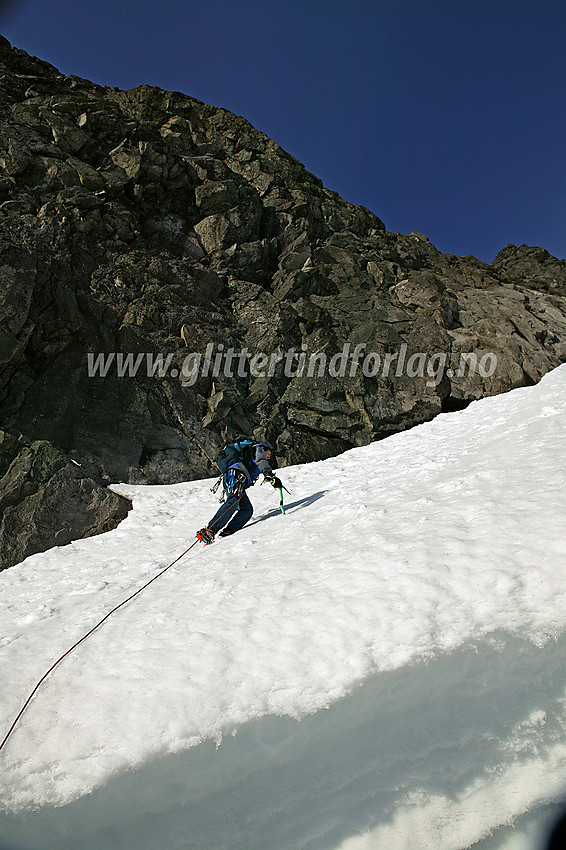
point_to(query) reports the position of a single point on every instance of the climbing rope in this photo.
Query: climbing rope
(95, 627)
(84, 637)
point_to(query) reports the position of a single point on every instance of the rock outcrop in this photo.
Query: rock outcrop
(48, 500)
(532, 267)
(144, 224)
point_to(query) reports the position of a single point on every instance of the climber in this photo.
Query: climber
(241, 463)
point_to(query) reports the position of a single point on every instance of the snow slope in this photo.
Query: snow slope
(383, 666)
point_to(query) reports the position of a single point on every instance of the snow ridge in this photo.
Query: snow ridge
(415, 589)
(473, 722)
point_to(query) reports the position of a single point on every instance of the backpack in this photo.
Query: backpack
(239, 451)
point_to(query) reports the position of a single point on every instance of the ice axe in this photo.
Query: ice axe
(281, 488)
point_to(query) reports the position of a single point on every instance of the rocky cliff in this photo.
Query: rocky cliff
(147, 225)
(48, 500)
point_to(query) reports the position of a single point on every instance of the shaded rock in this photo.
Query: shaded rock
(48, 500)
(532, 267)
(142, 230)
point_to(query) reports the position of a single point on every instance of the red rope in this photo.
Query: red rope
(84, 637)
(229, 508)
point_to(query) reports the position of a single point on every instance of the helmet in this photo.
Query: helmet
(265, 445)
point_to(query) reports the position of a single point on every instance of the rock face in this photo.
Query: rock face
(532, 267)
(142, 223)
(47, 500)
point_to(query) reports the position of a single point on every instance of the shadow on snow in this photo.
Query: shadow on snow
(438, 727)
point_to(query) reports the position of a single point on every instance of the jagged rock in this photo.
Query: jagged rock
(145, 223)
(48, 500)
(533, 267)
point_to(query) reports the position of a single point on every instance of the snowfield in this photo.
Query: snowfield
(384, 666)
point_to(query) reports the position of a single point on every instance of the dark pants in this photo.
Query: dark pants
(235, 511)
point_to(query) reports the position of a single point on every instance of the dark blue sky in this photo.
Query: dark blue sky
(442, 116)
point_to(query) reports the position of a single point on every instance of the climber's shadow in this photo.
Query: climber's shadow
(290, 507)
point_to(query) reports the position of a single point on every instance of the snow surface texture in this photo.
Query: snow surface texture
(383, 666)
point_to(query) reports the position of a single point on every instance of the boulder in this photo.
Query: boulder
(47, 499)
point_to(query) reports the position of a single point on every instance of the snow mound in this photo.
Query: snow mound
(415, 589)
